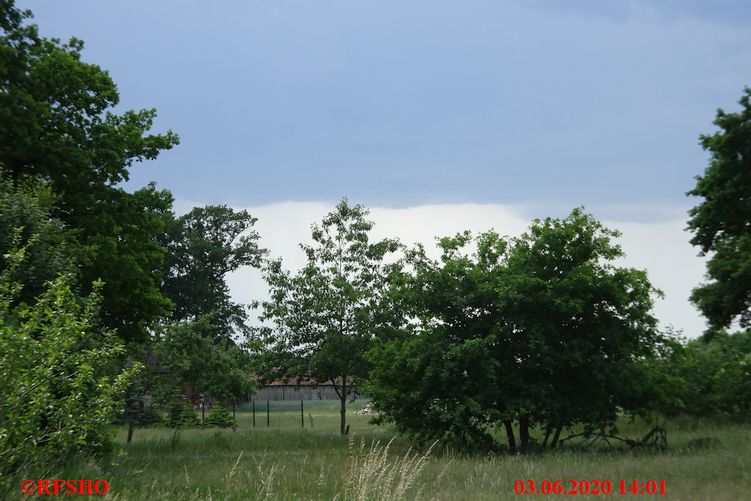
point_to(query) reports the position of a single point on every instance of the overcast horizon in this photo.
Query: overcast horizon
(657, 246)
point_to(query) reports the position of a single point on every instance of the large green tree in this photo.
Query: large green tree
(200, 344)
(581, 325)
(203, 247)
(721, 223)
(543, 330)
(323, 319)
(57, 122)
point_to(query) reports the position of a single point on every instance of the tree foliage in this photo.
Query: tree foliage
(324, 318)
(198, 364)
(200, 345)
(713, 376)
(57, 123)
(25, 216)
(721, 223)
(437, 380)
(220, 417)
(203, 246)
(540, 330)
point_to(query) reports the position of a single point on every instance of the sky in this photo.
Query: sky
(439, 116)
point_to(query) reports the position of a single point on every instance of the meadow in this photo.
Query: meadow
(284, 461)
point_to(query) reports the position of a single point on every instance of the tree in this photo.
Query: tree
(57, 123)
(199, 364)
(581, 325)
(203, 246)
(542, 330)
(325, 316)
(62, 379)
(721, 223)
(199, 345)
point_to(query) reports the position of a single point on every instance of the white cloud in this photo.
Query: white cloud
(661, 248)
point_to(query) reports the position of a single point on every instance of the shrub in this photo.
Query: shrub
(62, 379)
(182, 415)
(220, 417)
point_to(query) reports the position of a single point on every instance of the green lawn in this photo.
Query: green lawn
(284, 461)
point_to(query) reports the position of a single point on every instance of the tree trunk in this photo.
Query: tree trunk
(556, 436)
(343, 411)
(524, 433)
(548, 430)
(203, 411)
(510, 434)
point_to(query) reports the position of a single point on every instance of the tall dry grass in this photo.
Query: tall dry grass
(373, 476)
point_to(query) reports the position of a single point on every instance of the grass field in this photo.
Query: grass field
(284, 461)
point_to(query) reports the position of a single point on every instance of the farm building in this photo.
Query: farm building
(304, 390)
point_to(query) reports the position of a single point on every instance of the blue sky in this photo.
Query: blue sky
(404, 103)
(439, 115)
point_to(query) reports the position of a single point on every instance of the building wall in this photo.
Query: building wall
(292, 392)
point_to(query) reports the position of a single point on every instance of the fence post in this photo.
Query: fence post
(254, 412)
(302, 414)
(268, 410)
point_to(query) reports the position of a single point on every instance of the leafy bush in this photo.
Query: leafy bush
(25, 217)
(716, 375)
(220, 417)
(62, 382)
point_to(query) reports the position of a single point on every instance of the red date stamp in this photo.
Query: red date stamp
(590, 487)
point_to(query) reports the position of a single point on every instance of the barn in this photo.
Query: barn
(298, 390)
